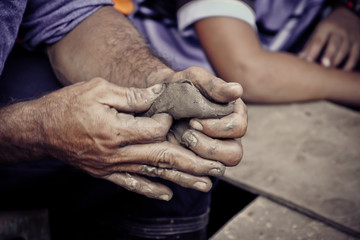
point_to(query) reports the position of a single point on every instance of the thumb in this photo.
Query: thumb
(211, 86)
(132, 100)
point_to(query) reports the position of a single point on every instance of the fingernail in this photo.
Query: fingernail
(326, 62)
(196, 125)
(190, 139)
(165, 197)
(232, 84)
(157, 88)
(201, 186)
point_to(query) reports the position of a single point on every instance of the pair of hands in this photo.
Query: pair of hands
(91, 125)
(338, 37)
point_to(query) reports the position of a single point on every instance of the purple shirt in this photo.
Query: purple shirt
(279, 24)
(37, 22)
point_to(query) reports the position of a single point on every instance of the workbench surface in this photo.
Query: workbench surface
(307, 157)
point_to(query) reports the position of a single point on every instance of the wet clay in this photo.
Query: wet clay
(178, 129)
(183, 100)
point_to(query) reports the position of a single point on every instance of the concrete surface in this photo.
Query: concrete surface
(306, 156)
(264, 219)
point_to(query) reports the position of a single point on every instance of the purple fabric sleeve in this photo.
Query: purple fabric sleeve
(40, 21)
(10, 19)
(281, 22)
(48, 21)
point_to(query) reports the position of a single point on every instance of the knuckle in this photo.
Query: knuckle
(190, 138)
(164, 158)
(235, 156)
(189, 73)
(236, 128)
(160, 172)
(195, 69)
(241, 131)
(193, 73)
(97, 173)
(98, 80)
(244, 125)
(99, 84)
(153, 171)
(134, 97)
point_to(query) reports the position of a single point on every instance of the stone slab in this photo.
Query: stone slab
(265, 219)
(306, 156)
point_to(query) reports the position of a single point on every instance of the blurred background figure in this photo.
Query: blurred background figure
(280, 51)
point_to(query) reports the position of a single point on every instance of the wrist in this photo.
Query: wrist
(20, 130)
(160, 75)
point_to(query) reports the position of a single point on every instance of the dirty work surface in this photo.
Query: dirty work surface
(265, 219)
(306, 156)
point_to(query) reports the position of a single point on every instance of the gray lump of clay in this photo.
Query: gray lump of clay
(183, 100)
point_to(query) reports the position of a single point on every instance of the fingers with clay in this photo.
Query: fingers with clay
(164, 160)
(214, 88)
(168, 156)
(145, 186)
(183, 101)
(181, 178)
(229, 152)
(233, 125)
(141, 185)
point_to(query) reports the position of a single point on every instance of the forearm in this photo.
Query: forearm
(20, 133)
(106, 45)
(236, 55)
(282, 77)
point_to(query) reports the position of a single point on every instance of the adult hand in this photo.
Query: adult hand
(91, 126)
(214, 138)
(339, 36)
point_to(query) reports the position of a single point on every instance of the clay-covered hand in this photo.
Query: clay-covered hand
(216, 138)
(91, 125)
(339, 36)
